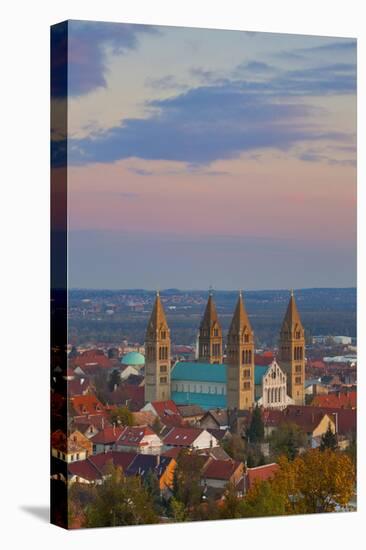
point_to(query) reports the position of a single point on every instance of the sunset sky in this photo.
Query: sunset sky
(206, 157)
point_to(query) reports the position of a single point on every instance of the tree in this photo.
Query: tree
(232, 507)
(287, 440)
(121, 416)
(263, 500)
(234, 446)
(114, 379)
(120, 500)
(151, 483)
(329, 440)
(317, 481)
(177, 510)
(255, 432)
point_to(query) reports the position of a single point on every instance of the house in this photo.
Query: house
(336, 400)
(258, 474)
(215, 419)
(78, 386)
(167, 412)
(84, 405)
(105, 440)
(192, 414)
(94, 469)
(91, 358)
(139, 439)
(192, 438)
(128, 395)
(73, 447)
(311, 420)
(128, 370)
(218, 473)
(162, 466)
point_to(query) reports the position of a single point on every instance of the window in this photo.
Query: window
(72, 458)
(298, 368)
(246, 386)
(163, 368)
(298, 380)
(163, 379)
(77, 456)
(246, 373)
(163, 334)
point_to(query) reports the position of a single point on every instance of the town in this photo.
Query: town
(161, 431)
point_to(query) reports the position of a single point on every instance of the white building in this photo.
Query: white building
(270, 387)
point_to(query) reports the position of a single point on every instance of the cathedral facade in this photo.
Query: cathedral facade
(230, 380)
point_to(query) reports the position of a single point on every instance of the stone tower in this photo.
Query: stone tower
(240, 360)
(210, 335)
(292, 352)
(157, 355)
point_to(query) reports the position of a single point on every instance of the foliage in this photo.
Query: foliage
(235, 447)
(263, 500)
(255, 431)
(151, 483)
(120, 500)
(317, 481)
(101, 386)
(329, 440)
(287, 439)
(187, 479)
(114, 380)
(178, 510)
(121, 416)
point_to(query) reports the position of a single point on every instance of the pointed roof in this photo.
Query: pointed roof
(292, 316)
(210, 316)
(240, 318)
(157, 318)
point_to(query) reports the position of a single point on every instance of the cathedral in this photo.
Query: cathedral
(231, 379)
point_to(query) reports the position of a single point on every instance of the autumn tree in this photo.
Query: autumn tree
(287, 439)
(329, 440)
(263, 499)
(234, 446)
(317, 481)
(120, 500)
(187, 479)
(121, 416)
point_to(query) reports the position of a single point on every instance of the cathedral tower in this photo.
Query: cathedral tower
(157, 355)
(210, 335)
(292, 352)
(240, 360)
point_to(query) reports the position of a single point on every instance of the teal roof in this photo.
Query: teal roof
(205, 400)
(187, 370)
(259, 372)
(133, 358)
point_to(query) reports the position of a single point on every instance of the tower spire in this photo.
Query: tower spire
(210, 334)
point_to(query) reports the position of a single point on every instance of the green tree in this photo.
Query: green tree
(120, 500)
(234, 446)
(255, 431)
(114, 380)
(151, 483)
(263, 500)
(329, 440)
(287, 440)
(121, 416)
(177, 510)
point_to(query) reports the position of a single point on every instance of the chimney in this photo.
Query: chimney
(158, 460)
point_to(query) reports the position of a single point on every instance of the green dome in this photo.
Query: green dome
(133, 358)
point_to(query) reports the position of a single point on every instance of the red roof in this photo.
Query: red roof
(264, 358)
(260, 473)
(173, 452)
(182, 437)
(306, 417)
(91, 358)
(221, 469)
(132, 436)
(78, 386)
(165, 408)
(86, 404)
(94, 467)
(85, 470)
(338, 400)
(107, 436)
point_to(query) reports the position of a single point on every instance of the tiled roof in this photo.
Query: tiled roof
(187, 370)
(337, 400)
(107, 436)
(306, 417)
(182, 437)
(132, 436)
(190, 410)
(221, 469)
(91, 358)
(165, 408)
(147, 463)
(260, 473)
(86, 404)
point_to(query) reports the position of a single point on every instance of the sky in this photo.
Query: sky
(204, 157)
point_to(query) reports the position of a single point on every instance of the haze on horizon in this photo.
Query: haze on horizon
(201, 157)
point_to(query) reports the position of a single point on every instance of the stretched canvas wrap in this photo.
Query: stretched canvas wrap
(203, 301)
